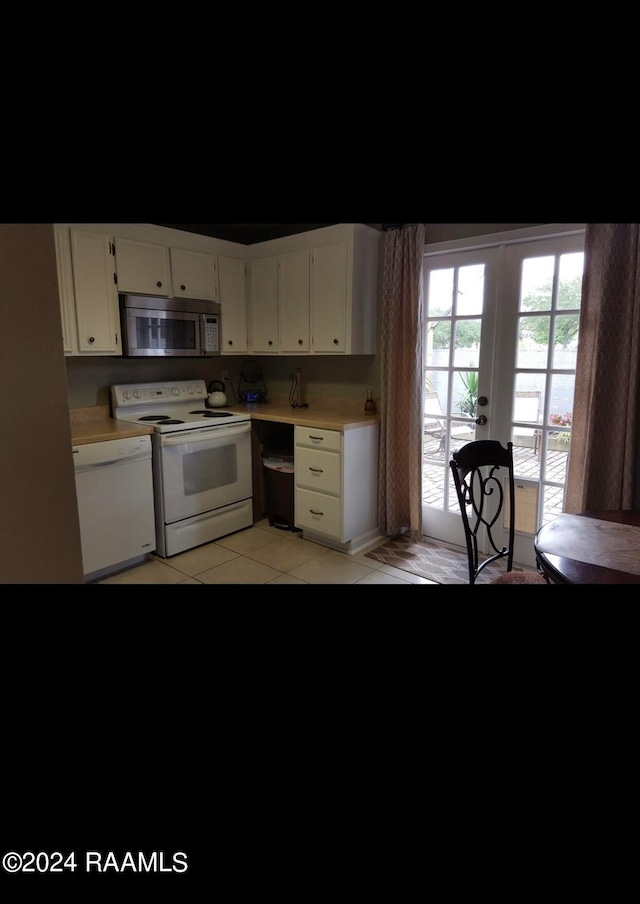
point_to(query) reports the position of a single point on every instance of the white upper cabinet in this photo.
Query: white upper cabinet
(344, 280)
(313, 293)
(147, 268)
(233, 303)
(65, 287)
(96, 293)
(193, 274)
(264, 305)
(143, 268)
(293, 301)
(329, 297)
(326, 291)
(280, 303)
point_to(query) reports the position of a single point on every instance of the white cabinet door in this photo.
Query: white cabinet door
(96, 293)
(329, 297)
(65, 287)
(143, 268)
(193, 274)
(231, 276)
(294, 302)
(264, 305)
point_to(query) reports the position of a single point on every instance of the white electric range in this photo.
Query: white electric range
(201, 461)
(170, 407)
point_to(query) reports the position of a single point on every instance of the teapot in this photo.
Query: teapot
(216, 399)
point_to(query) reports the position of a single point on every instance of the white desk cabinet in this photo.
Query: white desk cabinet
(336, 485)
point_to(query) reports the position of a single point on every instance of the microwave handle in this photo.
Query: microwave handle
(203, 335)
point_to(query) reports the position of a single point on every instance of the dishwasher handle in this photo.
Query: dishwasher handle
(125, 459)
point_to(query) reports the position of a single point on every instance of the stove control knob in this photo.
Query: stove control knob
(136, 393)
(126, 394)
(175, 391)
(190, 390)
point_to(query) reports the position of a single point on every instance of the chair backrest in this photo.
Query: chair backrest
(480, 471)
(432, 412)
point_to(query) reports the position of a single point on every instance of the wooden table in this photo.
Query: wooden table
(591, 548)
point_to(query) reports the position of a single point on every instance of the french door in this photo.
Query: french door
(499, 350)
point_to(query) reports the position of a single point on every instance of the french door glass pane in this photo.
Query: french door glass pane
(550, 293)
(470, 294)
(537, 283)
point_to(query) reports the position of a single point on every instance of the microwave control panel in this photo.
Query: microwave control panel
(211, 334)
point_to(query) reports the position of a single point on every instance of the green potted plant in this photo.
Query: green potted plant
(468, 403)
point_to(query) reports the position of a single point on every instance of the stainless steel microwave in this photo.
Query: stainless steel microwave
(169, 327)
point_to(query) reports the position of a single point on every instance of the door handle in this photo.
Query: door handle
(482, 420)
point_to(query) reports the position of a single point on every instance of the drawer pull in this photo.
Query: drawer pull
(316, 513)
(317, 470)
(318, 438)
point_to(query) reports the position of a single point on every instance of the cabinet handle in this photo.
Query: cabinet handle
(92, 339)
(319, 438)
(317, 470)
(299, 341)
(270, 342)
(335, 341)
(316, 513)
(183, 288)
(230, 342)
(159, 284)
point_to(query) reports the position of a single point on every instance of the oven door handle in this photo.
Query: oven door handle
(203, 435)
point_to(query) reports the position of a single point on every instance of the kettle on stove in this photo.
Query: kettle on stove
(216, 399)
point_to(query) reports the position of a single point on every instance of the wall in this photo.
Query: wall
(39, 530)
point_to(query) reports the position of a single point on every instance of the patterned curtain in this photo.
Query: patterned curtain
(400, 466)
(603, 468)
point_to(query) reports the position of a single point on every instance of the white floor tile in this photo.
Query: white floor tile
(240, 570)
(154, 572)
(265, 555)
(330, 568)
(200, 559)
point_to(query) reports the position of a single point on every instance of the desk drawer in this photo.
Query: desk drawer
(315, 438)
(318, 512)
(318, 470)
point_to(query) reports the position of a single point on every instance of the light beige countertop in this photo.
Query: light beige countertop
(95, 425)
(339, 417)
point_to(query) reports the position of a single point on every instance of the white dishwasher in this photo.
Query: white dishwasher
(114, 488)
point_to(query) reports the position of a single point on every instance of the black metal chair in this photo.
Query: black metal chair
(482, 475)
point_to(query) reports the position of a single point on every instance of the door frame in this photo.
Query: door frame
(497, 241)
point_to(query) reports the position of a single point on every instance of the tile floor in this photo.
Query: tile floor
(264, 555)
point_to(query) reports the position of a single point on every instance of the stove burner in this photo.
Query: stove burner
(199, 411)
(154, 417)
(171, 421)
(215, 414)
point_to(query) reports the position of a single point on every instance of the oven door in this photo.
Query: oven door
(200, 470)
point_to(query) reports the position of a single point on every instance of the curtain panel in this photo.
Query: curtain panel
(603, 469)
(400, 464)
